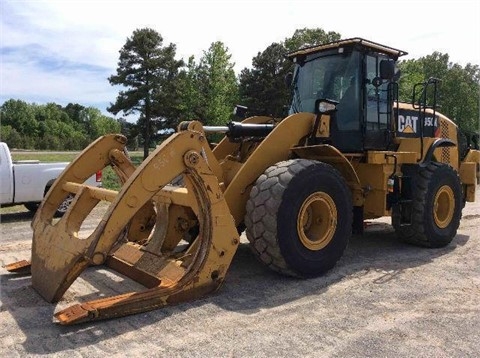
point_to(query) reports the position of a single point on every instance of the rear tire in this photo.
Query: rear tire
(436, 208)
(299, 217)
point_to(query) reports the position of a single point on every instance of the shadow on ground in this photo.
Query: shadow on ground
(16, 216)
(249, 287)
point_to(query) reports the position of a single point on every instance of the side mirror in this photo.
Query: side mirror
(387, 69)
(288, 79)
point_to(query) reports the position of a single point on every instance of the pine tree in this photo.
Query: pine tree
(147, 69)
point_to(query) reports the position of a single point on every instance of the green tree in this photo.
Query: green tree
(145, 67)
(21, 117)
(75, 112)
(166, 104)
(51, 126)
(411, 73)
(100, 124)
(262, 88)
(217, 85)
(57, 130)
(131, 131)
(50, 135)
(190, 101)
(458, 89)
(309, 37)
(9, 135)
(55, 112)
(5, 132)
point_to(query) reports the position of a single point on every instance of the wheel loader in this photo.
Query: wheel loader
(348, 151)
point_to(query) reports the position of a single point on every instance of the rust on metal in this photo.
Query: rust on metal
(20, 267)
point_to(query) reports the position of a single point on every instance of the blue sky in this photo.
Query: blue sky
(64, 51)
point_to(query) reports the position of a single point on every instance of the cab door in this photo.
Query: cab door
(377, 106)
(346, 87)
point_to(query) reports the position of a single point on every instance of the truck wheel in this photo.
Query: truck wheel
(32, 206)
(63, 207)
(436, 208)
(299, 217)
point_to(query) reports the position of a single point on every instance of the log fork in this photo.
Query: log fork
(141, 233)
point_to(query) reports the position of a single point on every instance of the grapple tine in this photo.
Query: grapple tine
(92, 159)
(178, 279)
(20, 267)
(57, 251)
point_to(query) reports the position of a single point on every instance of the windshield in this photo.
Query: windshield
(323, 77)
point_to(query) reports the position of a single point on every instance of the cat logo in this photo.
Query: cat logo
(410, 124)
(407, 124)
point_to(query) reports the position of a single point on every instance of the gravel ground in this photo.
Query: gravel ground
(383, 299)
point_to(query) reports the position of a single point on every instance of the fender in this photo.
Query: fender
(331, 155)
(438, 143)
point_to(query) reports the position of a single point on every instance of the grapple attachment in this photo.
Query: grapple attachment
(178, 241)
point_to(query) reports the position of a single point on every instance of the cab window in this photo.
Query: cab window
(376, 95)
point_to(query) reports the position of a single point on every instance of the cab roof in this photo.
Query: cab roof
(352, 42)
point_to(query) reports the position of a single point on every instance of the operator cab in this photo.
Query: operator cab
(356, 76)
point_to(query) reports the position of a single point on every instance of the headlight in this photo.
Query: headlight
(325, 107)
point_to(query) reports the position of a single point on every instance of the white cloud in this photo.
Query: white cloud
(80, 87)
(83, 37)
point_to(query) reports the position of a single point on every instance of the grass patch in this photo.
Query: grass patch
(12, 209)
(110, 179)
(45, 157)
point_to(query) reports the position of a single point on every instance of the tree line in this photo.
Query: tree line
(163, 90)
(51, 126)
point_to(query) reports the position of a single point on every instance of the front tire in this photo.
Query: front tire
(299, 217)
(436, 207)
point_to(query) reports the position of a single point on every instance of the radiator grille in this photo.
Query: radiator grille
(445, 150)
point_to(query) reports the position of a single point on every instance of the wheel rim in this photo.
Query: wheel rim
(65, 204)
(317, 221)
(443, 206)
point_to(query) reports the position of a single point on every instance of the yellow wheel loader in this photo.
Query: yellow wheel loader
(348, 151)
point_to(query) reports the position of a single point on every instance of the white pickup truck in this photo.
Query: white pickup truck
(26, 182)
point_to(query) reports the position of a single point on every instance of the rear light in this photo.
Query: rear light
(98, 176)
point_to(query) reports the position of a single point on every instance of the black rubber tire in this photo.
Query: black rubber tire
(33, 207)
(424, 230)
(273, 210)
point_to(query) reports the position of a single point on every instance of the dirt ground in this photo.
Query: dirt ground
(383, 299)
